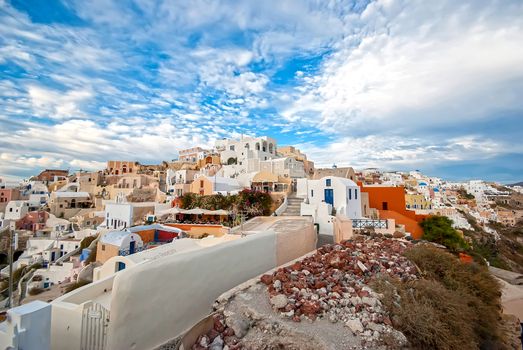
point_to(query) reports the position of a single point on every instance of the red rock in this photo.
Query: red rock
(338, 289)
(266, 279)
(228, 332)
(387, 321)
(296, 318)
(320, 284)
(218, 325)
(363, 293)
(212, 334)
(310, 307)
(297, 266)
(230, 340)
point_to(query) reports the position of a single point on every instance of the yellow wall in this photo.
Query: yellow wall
(104, 254)
(196, 186)
(417, 201)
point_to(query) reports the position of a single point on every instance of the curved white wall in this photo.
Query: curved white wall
(157, 302)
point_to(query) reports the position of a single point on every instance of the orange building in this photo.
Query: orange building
(390, 202)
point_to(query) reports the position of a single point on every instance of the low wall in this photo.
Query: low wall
(66, 316)
(196, 231)
(281, 208)
(157, 302)
(342, 228)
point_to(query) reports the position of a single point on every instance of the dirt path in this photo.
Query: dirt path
(512, 299)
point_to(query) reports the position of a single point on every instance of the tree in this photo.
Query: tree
(438, 229)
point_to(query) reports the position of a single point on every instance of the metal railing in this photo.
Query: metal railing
(125, 252)
(366, 223)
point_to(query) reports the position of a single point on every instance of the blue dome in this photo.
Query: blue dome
(423, 184)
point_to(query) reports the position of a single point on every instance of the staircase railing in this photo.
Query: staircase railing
(281, 209)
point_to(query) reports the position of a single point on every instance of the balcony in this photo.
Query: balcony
(367, 223)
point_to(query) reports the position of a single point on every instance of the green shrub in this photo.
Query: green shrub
(471, 283)
(75, 285)
(438, 229)
(86, 242)
(254, 203)
(430, 316)
(35, 291)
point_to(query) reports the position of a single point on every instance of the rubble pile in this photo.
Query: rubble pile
(223, 336)
(332, 284)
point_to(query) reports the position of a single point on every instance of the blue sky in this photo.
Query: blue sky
(394, 84)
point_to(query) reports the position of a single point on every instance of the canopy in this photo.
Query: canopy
(217, 212)
(174, 210)
(195, 211)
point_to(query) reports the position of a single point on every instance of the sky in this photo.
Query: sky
(399, 85)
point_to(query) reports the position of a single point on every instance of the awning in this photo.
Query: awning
(195, 211)
(169, 211)
(220, 212)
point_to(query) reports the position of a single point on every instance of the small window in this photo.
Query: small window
(201, 183)
(312, 193)
(103, 246)
(231, 148)
(355, 194)
(328, 182)
(350, 194)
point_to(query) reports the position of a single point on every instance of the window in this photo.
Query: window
(355, 194)
(103, 246)
(328, 182)
(312, 193)
(350, 193)
(201, 183)
(231, 147)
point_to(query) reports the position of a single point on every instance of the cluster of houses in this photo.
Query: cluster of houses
(89, 226)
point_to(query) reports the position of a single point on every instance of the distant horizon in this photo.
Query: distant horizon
(395, 84)
(71, 171)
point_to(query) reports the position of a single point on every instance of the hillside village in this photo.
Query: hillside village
(134, 256)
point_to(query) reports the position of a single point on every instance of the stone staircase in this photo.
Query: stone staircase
(293, 206)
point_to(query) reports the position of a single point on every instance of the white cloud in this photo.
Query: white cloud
(418, 63)
(57, 105)
(397, 152)
(87, 165)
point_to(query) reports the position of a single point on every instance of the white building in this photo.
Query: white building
(392, 179)
(239, 151)
(126, 241)
(15, 210)
(285, 167)
(327, 197)
(192, 155)
(37, 192)
(121, 214)
(27, 327)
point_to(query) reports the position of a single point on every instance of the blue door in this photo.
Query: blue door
(329, 196)
(131, 247)
(120, 266)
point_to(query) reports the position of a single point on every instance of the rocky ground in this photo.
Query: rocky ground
(322, 301)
